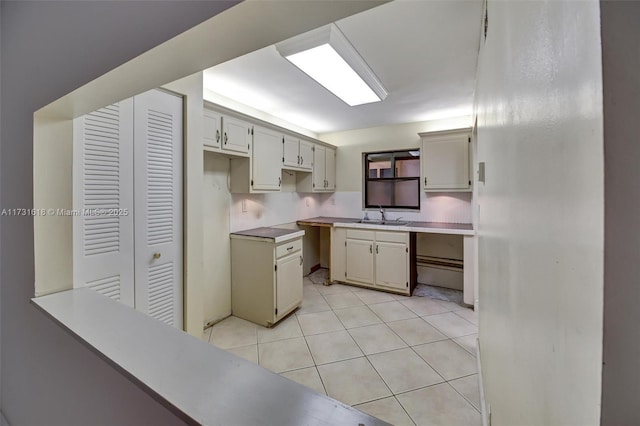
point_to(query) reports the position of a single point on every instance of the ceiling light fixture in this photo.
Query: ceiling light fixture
(325, 55)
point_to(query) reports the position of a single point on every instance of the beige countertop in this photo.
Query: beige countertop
(426, 227)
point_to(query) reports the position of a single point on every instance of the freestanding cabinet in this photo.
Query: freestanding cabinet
(266, 274)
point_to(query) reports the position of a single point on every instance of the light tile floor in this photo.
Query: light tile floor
(408, 361)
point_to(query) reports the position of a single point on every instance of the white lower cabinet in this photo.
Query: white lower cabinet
(360, 261)
(375, 259)
(266, 278)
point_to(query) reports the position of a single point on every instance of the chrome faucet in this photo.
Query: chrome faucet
(382, 217)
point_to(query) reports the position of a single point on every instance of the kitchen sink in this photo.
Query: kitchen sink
(383, 222)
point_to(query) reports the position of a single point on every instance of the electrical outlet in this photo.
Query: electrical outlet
(244, 206)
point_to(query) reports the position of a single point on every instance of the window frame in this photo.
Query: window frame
(394, 156)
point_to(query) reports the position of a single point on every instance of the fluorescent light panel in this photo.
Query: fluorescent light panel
(326, 56)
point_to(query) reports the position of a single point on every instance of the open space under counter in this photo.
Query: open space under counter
(199, 382)
(329, 229)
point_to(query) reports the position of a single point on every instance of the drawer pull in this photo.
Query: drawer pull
(301, 260)
(290, 248)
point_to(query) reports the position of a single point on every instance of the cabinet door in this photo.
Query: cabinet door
(319, 182)
(211, 129)
(330, 169)
(445, 162)
(391, 265)
(236, 135)
(288, 283)
(266, 160)
(290, 152)
(306, 155)
(360, 261)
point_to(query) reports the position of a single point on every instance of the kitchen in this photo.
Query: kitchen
(248, 200)
(231, 207)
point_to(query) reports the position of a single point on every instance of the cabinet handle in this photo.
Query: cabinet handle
(217, 135)
(298, 159)
(301, 160)
(226, 138)
(290, 248)
(425, 181)
(376, 249)
(279, 181)
(370, 248)
(301, 260)
(156, 255)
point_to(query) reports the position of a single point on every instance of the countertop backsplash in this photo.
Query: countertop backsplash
(284, 207)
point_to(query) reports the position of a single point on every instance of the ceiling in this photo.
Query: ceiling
(423, 51)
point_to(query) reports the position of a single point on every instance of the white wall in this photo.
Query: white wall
(273, 209)
(539, 106)
(216, 203)
(440, 207)
(621, 62)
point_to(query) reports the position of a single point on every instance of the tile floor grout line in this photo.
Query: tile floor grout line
(434, 369)
(405, 410)
(427, 362)
(327, 307)
(464, 397)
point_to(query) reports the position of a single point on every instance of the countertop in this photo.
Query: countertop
(278, 235)
(425, 227)
(199, 382)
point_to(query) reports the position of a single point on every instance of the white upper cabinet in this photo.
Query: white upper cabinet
(445, 160)
(212, 129)
(306, 155)
(266, 166)
(225, 134)
(296, 154)
(259, 151)
(330, 169)
(319, 161)
(236, 135)
(290, 152)
(323, 176)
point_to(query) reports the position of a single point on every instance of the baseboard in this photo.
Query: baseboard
(484, 413)
(314, 268)
(216, 320)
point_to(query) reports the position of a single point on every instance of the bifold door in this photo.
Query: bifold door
(127, 192)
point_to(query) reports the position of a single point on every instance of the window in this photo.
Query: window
(392, 179)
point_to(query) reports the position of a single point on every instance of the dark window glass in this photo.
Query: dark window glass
(392, 179)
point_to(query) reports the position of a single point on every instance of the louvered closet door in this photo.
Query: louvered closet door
(103, 194)
(158, 205)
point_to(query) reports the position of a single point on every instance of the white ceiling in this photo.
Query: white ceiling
(423, 51)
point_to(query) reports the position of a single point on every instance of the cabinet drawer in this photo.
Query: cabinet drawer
(392, 237)
(288, 248)
(360, 234)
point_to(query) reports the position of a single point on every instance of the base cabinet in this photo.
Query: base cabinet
(375, 259)
(266, 278)
(390, 261)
